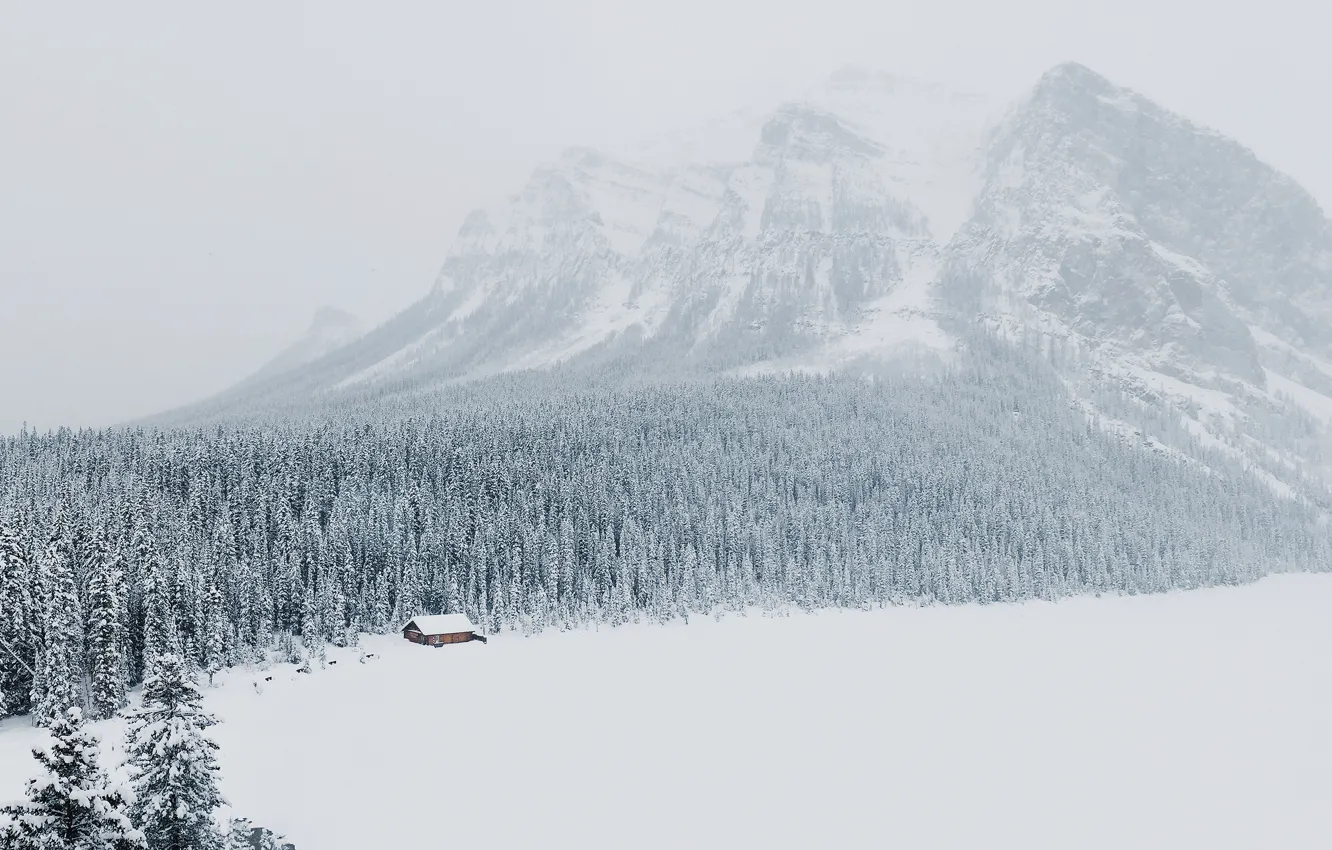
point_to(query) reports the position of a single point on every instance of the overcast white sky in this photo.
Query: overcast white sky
(181, 188)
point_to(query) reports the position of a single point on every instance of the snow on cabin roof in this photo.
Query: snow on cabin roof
(442, 624)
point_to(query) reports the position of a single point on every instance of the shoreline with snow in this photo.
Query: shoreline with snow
(1110, 722)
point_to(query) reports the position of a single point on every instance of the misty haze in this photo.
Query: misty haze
(708, 424)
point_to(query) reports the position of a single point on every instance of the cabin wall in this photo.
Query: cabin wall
(438, 640)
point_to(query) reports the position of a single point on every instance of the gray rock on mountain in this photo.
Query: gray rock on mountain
(1073, 220)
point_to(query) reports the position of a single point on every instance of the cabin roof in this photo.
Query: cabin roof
(441, 624)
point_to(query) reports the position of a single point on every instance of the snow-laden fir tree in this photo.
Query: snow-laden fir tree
(411, 590)
(71, 805)
(213, 649)
(56, 684)
(106, 638)
(172, 762)
(159, 624)
(241, 836)
(18, 656)
(140, 553)
(244, 835)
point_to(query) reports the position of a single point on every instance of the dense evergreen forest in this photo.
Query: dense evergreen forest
(596, 504)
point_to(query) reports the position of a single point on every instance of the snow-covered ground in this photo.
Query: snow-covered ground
(1199, 719)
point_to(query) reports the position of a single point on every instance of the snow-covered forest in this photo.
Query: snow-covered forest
(597, 506)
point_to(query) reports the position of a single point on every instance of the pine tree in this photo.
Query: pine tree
(214, 647)
(72, 806)
(411, 593)
(159, 627)
(106, 639)
(141, 565)
(239, 835)
(56, 684)
(244, 835)
(173, 762)
(18, 656)
(310, 628)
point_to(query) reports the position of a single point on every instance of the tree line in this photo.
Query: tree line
(596, 504)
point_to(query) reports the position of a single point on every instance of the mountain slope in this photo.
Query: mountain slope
(330, 330)
(792, 239)
(1178, 283)
(1177, 266)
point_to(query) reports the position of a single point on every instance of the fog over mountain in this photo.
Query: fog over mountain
(171, 217)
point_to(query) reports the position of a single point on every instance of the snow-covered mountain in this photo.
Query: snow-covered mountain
(878, 215)
(1133, 227)
(818, 222)
(1178, 266)
(329, 330)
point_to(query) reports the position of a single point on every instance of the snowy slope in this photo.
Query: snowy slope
(1193, 719)
(330, 330)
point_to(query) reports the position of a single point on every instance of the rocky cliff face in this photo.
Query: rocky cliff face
(1132, 227)
(1182, 269)
(827, 224)
(1081, 218)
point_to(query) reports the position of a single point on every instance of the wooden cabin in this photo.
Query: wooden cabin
(439, 629)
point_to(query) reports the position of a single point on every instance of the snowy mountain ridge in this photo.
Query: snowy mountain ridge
(878, 216)
(808, 232)
(329, 330)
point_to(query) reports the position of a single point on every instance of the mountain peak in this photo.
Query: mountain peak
(1078, 73)
(583, 157)
(332, 317)
(1075, 78)
(330, 329)
(862, 77)
(811, 133)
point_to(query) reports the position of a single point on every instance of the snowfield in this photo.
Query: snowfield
(1198, 719)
